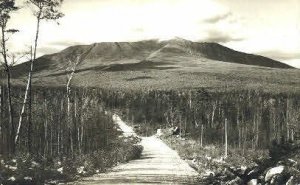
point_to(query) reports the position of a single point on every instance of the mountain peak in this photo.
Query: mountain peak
(132, 55)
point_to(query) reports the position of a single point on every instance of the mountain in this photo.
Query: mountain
(174, 63)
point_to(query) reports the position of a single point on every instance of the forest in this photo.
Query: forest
(63, 124)
(74, 130)
(254, 118)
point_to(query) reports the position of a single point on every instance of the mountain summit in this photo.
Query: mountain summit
(131, 54)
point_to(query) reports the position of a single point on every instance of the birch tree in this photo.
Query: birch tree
(6, 8)
(71, 71)
(42, 10)
(226, 139)
(23, 105)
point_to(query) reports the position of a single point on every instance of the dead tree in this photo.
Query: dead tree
(24, 103)
(43, 10)
(6, 8)
(71, 69)
(226, 139)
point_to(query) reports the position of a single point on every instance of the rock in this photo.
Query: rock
(292, 162)
(252, 182)
(272, 172)
(220, 160)
(80, 170)
(208, 157)
(228, 174)
(209, 173)
(12, 168)
(28, 178)
(35, 164)
(12, 178)
(254, 173)
(235, 181)
(60, 170)
(243, 168)
(290, 181)
(159, 133)
(192, 164)
(176, 131)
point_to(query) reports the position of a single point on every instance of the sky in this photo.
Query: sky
(266, 27)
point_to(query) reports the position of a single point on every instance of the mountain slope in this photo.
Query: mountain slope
(175, 63)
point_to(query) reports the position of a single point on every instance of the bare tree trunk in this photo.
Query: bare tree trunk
(11, 132)
(180, 126)
(51, 137)
(24, 101)
(253, 131)
(81, 135)
(45, 129)
(226, 139)
(190, 99)
(69, 116)
(238, 127)
(287, 120)
(30, 82)
(258, 120)
(213, 113)
(1, 122)
(201, 137)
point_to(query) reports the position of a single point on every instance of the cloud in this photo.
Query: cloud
(217, 18)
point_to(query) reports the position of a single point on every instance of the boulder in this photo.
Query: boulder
(159, 133)
(209, 173)
(235, 181)
(272, 172)
(252, 182)
(290, 181)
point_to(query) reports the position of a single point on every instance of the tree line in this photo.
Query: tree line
(251, 118)
(62, 124)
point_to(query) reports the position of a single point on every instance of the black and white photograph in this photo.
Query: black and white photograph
(134, 92)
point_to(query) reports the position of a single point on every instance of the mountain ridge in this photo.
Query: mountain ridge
(103, 52)
(171, 64)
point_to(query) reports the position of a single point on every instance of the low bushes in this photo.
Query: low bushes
(279, 165)
(24, 169)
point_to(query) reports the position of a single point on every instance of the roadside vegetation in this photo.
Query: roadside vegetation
(28, 169)
(278, 165)
(224, 135)
(62, 144)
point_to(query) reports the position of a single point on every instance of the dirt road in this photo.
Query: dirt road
(158, 164)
